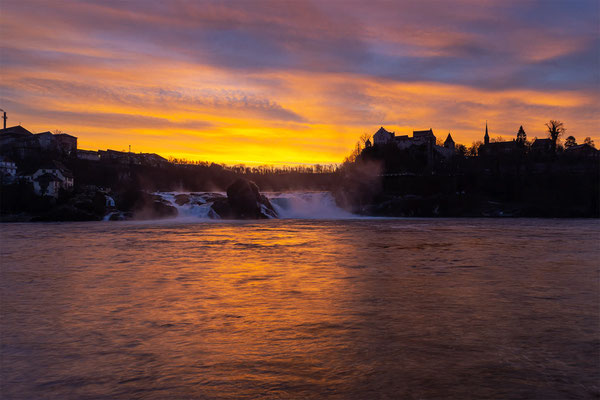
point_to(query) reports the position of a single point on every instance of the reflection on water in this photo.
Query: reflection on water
(301, 309)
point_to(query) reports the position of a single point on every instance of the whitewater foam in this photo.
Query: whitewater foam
(289, 205)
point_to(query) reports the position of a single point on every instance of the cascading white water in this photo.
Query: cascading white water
(198, 206)
(296, 205)
(307, 205)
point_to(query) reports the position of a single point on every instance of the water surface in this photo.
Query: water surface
(348, 309)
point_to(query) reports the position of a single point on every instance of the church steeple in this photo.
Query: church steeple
(486, 138)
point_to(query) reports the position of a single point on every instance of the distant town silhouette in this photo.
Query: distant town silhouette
(45, 176)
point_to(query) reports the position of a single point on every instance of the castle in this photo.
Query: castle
(424, 138)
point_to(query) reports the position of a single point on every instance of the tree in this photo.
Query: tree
(363, 139)
(521, 136)
(474, 149)
(555, 130)
(588, 140)
(461, 150)
(570, 141)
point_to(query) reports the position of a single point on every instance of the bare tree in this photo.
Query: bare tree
(555, 130)
(588, 140)
(363, 139)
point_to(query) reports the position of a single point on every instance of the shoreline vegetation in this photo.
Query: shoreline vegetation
(387, 178)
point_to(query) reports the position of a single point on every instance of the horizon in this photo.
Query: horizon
(297, 83)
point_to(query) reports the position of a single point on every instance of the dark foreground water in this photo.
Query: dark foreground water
(299, 309)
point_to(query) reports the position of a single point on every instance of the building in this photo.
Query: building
(50, 178)
(122, 157)
(542, 146)
(8, 170)
(582, 151)
(87, 155)
(382, 136)
(449, 143)
(424, 139)
(498, 149)
(65, 143)
(21, 143)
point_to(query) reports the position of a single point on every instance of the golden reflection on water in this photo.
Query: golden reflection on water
(299, 309)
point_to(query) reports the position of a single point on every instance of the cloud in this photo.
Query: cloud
(311, 73)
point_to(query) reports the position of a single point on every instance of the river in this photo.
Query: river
(301, 309)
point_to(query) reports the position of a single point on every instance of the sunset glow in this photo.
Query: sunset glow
(295, 82)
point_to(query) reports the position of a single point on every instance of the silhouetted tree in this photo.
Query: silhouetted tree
(461, 150)
(474, 149)
(363, 139)
(570, 141)
(588, 140)
(555, 130)
(521, 136)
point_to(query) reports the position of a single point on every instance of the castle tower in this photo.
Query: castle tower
(449, 143)
(486, 138)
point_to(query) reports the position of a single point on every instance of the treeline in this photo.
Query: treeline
(262, 169)
(197, 176)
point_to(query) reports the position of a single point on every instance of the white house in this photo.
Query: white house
(50, 178)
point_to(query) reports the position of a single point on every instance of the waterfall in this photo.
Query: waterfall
(295, 205)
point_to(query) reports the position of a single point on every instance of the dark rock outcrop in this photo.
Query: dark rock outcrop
(144, 205)
(182, 199)
(244, 201)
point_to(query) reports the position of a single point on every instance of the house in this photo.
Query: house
(21, 143)
(46, 140)
(542, 146)
(18, 142)
(49, 178)
(8, 170)
(65, 143)
(582, 151)
(152, 159)
(87, 155)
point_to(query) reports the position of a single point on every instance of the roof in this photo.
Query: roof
(581, 147)
(403, 137)
(541, 144)
(18, 129)
(498, 145)
(65, 135)
(49, 177)
(383, 130)
(43, 133)
(56, 165)
(423, 133)
(449, 139)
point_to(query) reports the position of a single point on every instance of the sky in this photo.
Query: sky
(296, 81)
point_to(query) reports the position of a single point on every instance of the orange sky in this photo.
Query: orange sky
(293, 82)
